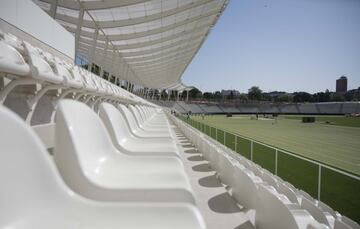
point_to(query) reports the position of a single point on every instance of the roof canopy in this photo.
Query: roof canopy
(146, 42)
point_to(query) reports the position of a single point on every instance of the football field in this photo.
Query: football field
(336, 144)
(275, 143)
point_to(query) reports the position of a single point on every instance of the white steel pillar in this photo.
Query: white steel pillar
(104, 59)
(113, 59)
(53, 7)
(93, 49)
(78, 27)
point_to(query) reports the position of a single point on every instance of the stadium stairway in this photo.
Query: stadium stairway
(115, 160)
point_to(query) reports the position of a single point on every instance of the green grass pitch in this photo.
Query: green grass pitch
(334, 141)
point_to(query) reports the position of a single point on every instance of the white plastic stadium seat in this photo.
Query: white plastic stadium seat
(147, 126)
(40, 69)
(136, 130)
(91, 165)
(125, 142)
(275, 211)
(317, 213)
(11, 61)
(339, 224)
(33, 195)
(246, 187)
(350, 222)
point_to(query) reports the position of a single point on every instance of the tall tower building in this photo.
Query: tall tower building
(341, 84)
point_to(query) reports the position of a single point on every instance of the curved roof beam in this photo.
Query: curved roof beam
(194, 31)
(161, 55)
(161, 60)
(133, 21)
(129, 36)
(148, 43)
(150, 67)
(150, 51)
(166, 57)
(95, 5)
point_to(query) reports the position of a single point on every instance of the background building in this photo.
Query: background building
(341, 84)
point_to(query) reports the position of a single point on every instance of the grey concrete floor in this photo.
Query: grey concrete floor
(218, 208)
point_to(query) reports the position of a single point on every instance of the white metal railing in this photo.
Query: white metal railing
(203, 128)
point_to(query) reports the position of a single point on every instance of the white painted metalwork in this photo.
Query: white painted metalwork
(154, 39)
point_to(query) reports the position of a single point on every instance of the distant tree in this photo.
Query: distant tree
(208, 95)
(217, 95)
(301, 97)
(195, 93)
(243, 97)
(231, 96)
(336, 97)
(255, 93)
(284, 98)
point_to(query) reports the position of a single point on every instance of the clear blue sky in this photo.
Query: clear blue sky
(289, 45)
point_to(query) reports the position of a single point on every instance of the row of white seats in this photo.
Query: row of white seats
(24, 64)
(118, 168)
(278, 204)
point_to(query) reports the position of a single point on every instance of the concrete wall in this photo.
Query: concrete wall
(31, 19)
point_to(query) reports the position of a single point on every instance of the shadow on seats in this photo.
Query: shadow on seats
(210, 182)
(223, 203)
(191, 151)
(187, 146)
(195, 158)
(246, 225)
(202, 168)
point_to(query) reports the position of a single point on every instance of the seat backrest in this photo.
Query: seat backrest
(81, 141)
(268, 177)
(315, 211)
(226, 169)
(70, 78)
(139, 112)
(350, 222)
(342, 225)
(326, 208)
(114, 122)
(129, 117)
(27, 174)
(144, 111)
(40, 68)
(244, 189)
(11, 61)
(271, 212)
(135, 115)
(282, 188)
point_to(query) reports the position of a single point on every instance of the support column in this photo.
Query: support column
(187, 96)
(78, 27)
(53, 7)
(169, 93)
(93, 49)
(104, 58)
(113, 59)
